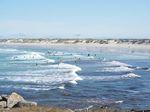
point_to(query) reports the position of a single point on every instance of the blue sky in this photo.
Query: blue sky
(94, 18)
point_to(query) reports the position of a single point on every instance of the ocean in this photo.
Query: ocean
(77, 76)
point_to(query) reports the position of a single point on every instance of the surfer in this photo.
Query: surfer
(60, 61)
(75, 61)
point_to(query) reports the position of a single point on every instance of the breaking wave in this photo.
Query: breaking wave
(111, 78)
(114, 63)
(54, 77)
(31, 56)
(116, 69)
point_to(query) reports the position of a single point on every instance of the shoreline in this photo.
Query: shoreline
(123, 43)
(40, 108)
(96, 45)
(112, 45)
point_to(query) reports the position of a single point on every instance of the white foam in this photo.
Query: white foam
(117, 69)
(111, 78)
(28, 87)
(32, 56)
(120, 101)
(34, 88)
(73, 82)
(61, 87)
(28, 56)
(130, 75)
(65, 66)
(116, 63)
(8, 50)
(50, 60)
(53, 75)
(138, 67)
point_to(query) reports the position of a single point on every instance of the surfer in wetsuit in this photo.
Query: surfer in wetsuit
(75, 61)
(60, 61)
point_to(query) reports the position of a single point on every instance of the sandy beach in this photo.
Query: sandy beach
(145, 44)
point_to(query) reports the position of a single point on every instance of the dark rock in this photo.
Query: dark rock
(146, 110)
(4, 97)
(13, 99)
(66, 94)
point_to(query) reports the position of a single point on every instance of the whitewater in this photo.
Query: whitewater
(77, 77)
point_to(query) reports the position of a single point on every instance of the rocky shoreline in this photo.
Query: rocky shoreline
(16, 103)
(14, 100)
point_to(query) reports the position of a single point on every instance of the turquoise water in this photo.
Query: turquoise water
(77, 76)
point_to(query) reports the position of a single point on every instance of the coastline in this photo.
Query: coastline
(48, 44)
(58, 109)
(103, 45)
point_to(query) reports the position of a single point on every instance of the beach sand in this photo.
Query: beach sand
(109, 45)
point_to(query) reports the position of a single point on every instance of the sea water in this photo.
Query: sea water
(77, 76)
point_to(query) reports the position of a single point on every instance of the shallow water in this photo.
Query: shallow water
(77, 77)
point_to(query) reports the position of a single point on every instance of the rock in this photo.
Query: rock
(13, 99)
(4, 97)
(66, 94)
(69, 110)
(1, 98)
(25, 103)
(3, 104)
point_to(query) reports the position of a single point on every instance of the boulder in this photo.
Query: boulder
(4, 97)
(1, 98)
(3, 104)
(13, 99)
(25, 103)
